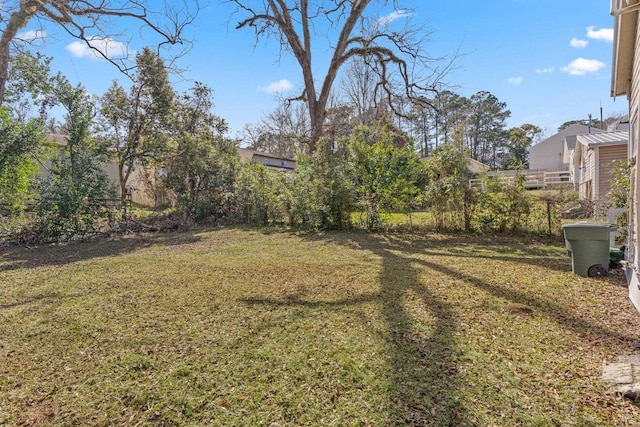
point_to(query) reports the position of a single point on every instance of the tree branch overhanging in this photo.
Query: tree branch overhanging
(95, 22)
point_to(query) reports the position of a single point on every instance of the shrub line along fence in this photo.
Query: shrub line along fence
(535, 180)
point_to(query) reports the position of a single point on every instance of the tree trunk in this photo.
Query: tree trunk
(17, 21)
(317, 126)
(123, 184)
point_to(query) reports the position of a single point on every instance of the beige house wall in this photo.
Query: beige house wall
(625, 81)
(634, 124)
(587, 175)
(141, 194)
(596, 167)
(607, 156)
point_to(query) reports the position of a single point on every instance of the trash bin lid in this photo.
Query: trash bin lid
(588, 231)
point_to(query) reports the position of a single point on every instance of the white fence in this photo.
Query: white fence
(535, 180)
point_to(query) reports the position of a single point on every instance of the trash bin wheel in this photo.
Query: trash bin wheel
(597, 270)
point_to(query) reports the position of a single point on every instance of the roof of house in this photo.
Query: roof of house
(620, 124)
(246, 154)
(604, 139)
(559, 138)
(477, 167)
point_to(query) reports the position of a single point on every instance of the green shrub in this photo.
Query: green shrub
(74, 196)
(503, 205)
(448, 193)
(386, 178)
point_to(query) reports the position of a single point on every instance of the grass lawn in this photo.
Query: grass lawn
(239, 327)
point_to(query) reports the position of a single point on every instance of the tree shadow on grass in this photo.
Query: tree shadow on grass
(55, 296)
(422, 353)
(14, 258)
(425, 377)
(439, 354)
(548, 307)
(517, 249)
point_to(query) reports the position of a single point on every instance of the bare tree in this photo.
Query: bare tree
(394, 55)
(283, 131)
(359, 86)
(94, 22)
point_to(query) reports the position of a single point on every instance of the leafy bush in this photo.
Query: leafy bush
(257, 198)
(621, 188)
(503, 205)
(386, 178)
(19, 144)
(74, 196)
(448, 193)
(332, 187)
(201, 174)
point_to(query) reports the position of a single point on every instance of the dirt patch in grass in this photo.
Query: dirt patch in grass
(241, 327)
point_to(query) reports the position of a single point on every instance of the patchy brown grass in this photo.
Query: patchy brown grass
(242, 327)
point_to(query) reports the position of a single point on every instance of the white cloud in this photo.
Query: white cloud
(515, 81)
(582, 66)
(29, 36)
(605, 34)
(278, 87)
(109, 47)
(387, 19)
(547, 70)
(578, 43)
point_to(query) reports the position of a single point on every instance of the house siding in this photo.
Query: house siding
(549, 154)
(626, 51)
(141, 193)
(634, 121)
(607, 157)
(591, 167)
(587, 162)
(275, 163)
(546, 155)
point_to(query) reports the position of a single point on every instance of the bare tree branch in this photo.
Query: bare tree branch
(395, 56)
(92, 20)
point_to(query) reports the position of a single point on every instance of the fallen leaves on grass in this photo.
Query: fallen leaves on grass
(239, 327)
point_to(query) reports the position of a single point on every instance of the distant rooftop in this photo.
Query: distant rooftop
(604, 139)
(247, 154)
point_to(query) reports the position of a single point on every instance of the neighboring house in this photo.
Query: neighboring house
(271, 161)
(549, 154)
(592, 162)
(622, 124)
(476, 167)
(625, 80)
(137, 184)
(140, 192)
(574, 167)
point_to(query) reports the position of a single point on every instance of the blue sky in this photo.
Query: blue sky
(549, 60)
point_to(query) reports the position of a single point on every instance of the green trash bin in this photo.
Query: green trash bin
(588, 245)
